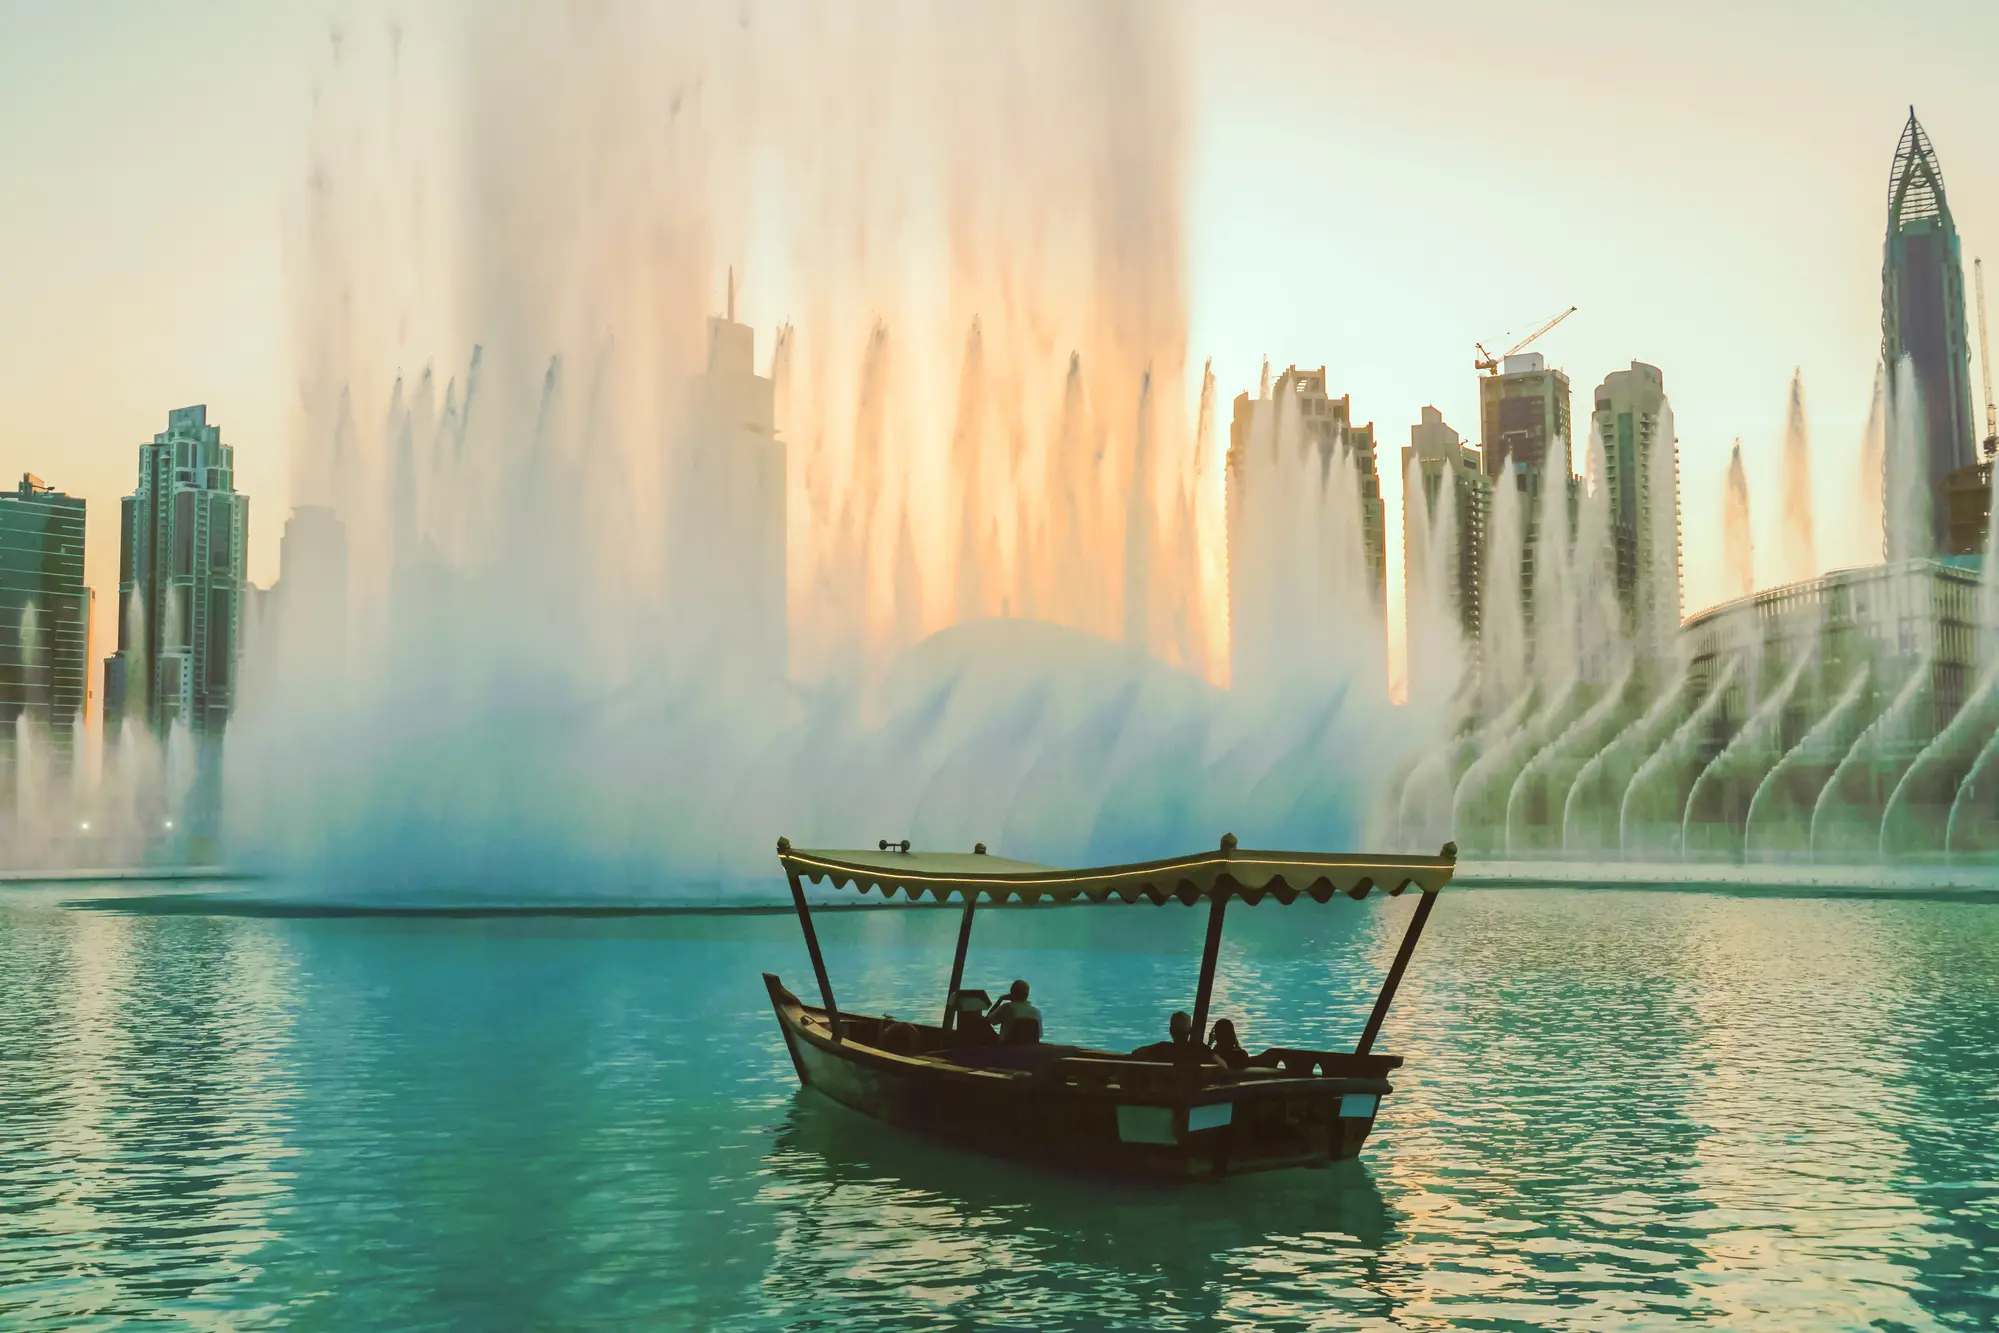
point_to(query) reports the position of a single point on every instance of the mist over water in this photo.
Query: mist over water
(529, 639)
(963, 232)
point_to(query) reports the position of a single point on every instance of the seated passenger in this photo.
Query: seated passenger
(1017, 1022)
(897, 1036)
(1228, 1047)
(1182, 1049)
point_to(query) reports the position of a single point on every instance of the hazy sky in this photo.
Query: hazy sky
(1373, 188)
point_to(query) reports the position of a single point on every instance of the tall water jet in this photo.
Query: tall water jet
(1141, 511)
(1907, 495)
(1737, 539)
(1435, 638)
(1604, 650)
(1554, 624)
(1186, 643)
(527, 705)
(966, 458)
(1800, 546)
(1503, 647)
(1870, 515)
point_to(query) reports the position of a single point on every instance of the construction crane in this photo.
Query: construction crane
(1490, 364)
(1985, 363)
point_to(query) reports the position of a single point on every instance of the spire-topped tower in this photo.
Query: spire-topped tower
(1922, 319)
(729, 525)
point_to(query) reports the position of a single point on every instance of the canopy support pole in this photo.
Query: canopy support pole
(1424, 902)
(958, 961)
(812, 945)
(1210, 951)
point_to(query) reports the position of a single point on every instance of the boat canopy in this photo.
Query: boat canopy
(1229, 872)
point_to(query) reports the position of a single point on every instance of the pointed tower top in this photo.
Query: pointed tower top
(1915, 184)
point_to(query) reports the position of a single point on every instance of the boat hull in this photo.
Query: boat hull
(1091, 1110)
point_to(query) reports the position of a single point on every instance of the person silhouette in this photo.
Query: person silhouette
(1016, 1019)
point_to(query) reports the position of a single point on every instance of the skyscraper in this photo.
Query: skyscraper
(307, 606)
(1525, 441)
(1922, 319)
(1641, 458)
(1524, 417)
(44, 612)
(1327, 424)
(731, 500)
(1295, 569)
(1442, 460)
(180, 589)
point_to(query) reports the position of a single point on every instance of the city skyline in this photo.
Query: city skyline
(1396, 352)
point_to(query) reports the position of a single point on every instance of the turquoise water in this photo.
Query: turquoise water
(1621, 1110)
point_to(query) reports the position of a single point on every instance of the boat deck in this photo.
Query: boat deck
(1100, 1109)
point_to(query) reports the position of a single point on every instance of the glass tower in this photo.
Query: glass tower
(180, 582)
(44, 612)
(1922, 319)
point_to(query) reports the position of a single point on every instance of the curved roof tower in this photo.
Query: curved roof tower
(1922, 319)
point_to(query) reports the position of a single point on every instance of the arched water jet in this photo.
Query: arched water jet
(1717, 813)
(1538, 803)
(1592, 815)
(1778, 825)
(1649, 818)
(1919, 815)
(1847, 818)
(1972, 833)
(1424, 805)
(1477, 803)
(1569, 700)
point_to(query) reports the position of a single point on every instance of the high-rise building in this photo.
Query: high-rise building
(1641, 458)
(180, 582)
(729, 552)
(1291, 575)
(1328, 425)
(308, 603)
(1922, 318)
(1442, 460)
(1524, 417)
(44, 612)
(1525, 441)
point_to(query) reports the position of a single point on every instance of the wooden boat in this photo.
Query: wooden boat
(1072, 1107)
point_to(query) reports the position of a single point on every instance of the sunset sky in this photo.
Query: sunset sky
(1372, 188)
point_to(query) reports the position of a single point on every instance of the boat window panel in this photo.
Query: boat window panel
(1146, 1124)
(1210, 1117)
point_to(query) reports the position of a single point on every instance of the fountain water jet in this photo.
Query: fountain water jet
(1738, 543)
(1800, 543)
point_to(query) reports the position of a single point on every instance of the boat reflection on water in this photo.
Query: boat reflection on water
(861, 1207)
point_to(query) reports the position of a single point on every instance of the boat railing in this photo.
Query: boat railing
(1160, 1077)
(1299, 1063)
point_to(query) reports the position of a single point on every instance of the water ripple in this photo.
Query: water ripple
(1620, 1110)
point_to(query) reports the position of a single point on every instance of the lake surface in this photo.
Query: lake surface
(1621, 1110)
